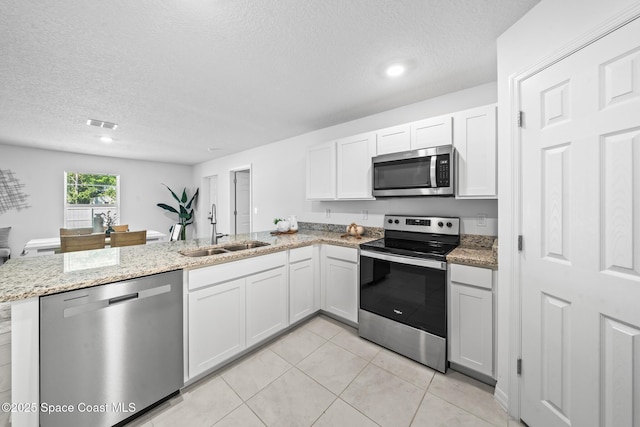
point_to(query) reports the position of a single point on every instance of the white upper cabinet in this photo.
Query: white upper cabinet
(393, 139)
(431, 132)
(475, 140)
(354, 166)
(321, 172)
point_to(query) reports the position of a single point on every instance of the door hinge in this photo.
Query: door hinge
(519, 367)
(520, 243)
(520, 119)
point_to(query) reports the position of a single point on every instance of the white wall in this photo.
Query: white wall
(278, 174)
(42, 173)
(546, 29)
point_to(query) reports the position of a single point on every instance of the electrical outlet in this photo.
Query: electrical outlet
(327, 212)
(481, 220)
(365, 214)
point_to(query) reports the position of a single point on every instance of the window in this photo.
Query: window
(88, 194)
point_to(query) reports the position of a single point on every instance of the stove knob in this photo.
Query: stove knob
(390, 221)
(440, 224)
(449, 225)
(397, 222)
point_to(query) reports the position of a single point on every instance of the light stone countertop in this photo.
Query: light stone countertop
(23, 277)
(477, 251)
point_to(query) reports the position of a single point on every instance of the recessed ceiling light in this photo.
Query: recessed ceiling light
(212, 149)
(395, 70)
(106, 139)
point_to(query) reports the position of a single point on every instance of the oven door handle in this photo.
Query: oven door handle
(420, 262)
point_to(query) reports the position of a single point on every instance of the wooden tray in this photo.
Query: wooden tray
(278, 233)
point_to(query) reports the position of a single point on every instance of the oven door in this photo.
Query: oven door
(411, 291)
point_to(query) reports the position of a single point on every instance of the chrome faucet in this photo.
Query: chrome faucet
(214, 220)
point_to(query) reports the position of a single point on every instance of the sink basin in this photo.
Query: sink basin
(225, 249)
(204, 252)
(244, 246)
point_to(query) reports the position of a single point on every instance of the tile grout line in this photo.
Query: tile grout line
(418, 407)
(348, 385)
(463, 409)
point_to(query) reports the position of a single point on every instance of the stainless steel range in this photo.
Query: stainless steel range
(403, 287)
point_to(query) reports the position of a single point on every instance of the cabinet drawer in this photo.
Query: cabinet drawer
(301, 254)
(473, 276)
(343, 253)
(205, 276)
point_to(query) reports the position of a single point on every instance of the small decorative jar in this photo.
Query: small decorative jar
(293, 223)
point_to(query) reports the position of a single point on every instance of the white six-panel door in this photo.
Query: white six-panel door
(581, 227)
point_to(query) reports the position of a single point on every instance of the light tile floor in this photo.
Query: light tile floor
(322, 374)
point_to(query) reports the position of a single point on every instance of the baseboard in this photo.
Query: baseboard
(473, 374)
(501, 397)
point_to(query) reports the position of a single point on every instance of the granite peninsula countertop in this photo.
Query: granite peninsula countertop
(477, 251)
(22, 278)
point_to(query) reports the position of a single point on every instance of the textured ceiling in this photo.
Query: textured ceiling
(181, 76)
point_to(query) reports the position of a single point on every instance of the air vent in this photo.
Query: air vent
(101, 124)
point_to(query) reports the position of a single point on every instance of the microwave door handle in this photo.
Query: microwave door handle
(434, 182)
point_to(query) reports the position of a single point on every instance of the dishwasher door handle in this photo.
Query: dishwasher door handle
(123, 298)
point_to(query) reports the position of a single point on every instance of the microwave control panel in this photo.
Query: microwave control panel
(443, 170)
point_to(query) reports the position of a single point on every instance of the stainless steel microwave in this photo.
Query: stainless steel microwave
(424, 172)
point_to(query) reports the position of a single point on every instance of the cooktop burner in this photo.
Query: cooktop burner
(419, 237)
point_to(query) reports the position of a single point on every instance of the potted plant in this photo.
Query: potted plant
(184, 211)
(108, 221)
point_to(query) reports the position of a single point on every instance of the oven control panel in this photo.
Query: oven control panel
(422, 224)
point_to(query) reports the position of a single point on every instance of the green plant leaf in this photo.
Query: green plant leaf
(167, 207)
(193, 199)
(175, 196)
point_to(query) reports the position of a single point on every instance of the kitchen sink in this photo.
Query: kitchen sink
(244, 246)
(204, 252)
(233, 247)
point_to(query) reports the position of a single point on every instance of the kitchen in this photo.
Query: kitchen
(517, 49)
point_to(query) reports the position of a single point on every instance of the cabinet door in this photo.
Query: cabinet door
(393, 140)
(301, 290)
(267, 304)
(354, 166)
(471, 320)
(216, 325)
(474, 137)
(321, 172)
(431, 132)
(341, 289)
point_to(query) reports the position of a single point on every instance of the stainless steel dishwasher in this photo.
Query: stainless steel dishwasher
(110, 351)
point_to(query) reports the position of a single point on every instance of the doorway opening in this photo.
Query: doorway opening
(240, 200)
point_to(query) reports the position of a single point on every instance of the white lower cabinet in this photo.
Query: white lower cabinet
(267, 296)
(216, 325)
(233, 306)
(471, 318)
(302, 280)
(340, 282)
